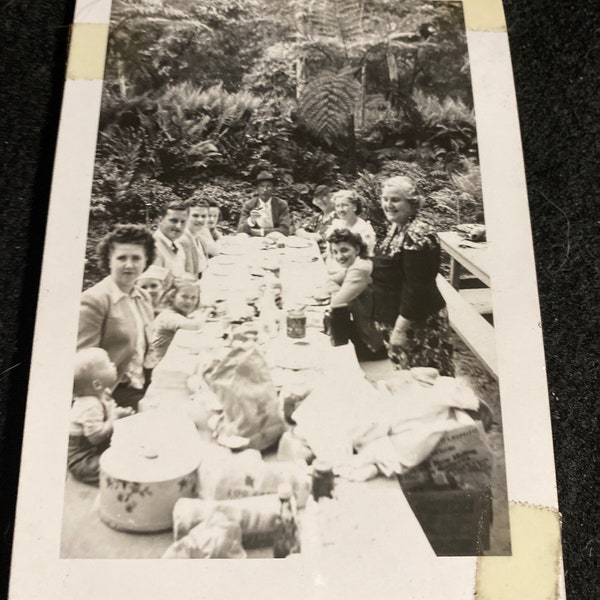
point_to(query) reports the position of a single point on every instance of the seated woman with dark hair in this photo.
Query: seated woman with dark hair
(349, 285)
(116, 315)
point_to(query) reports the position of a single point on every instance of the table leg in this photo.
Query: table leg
(455, 270)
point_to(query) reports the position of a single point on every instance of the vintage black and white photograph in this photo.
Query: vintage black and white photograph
(288, 310)
(286, 339)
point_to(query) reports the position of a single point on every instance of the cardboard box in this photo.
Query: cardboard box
(456, 522)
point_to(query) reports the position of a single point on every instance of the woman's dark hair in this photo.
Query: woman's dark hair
(126, 234)
(345, 236)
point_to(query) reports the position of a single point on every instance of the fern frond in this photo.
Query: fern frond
(327, 103)
(341, 19)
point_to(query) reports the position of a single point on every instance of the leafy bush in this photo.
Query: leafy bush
(228, 194)
(201, 96)
(274, 73)
(447, 124)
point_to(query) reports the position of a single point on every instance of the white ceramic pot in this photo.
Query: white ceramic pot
(150, 465)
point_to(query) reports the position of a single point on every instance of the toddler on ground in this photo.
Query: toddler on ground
(93, 412)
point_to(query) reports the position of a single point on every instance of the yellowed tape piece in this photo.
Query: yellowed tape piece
(87, 51)
(532, 572)
(484, 15)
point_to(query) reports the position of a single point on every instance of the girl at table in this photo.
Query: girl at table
(348, 207)
(349, 286)
(182, 302)
(407, 306)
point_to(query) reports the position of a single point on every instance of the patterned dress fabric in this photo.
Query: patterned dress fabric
(428, 339)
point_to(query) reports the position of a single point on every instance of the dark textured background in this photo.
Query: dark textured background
(555, 48)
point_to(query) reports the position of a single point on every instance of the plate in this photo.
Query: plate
(318, 301)
(297, 242)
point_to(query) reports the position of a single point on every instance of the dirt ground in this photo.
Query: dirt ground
(486, 388)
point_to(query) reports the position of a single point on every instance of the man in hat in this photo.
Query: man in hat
(265, 214)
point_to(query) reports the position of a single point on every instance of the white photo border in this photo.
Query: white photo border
(37, 569)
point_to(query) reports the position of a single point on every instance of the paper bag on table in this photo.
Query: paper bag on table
(223, 475)
(219, 535)
(242, 382)
(257, 516)
(463, 458)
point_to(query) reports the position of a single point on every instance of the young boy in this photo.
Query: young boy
(155, 280)
(93, 413)
(198, 226)
(214, 214)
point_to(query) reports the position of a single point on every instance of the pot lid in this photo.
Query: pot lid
(158, 445)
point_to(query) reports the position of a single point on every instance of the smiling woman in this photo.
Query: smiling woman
(407, 305)
(349, 286)
(116, 316)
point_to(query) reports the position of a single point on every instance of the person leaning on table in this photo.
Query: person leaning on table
(116, 315)
(265, 214)
(408, 308)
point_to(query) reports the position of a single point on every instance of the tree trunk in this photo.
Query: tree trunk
(363, 95)
(393, 75)
(352, 146)
(300, 76)
(415, 70)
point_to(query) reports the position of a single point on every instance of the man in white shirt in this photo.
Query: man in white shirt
(266, 213)
(170, 253)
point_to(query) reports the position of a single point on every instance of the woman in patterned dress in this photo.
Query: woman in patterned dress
(408, 307)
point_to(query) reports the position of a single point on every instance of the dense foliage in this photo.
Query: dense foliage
(201, 95)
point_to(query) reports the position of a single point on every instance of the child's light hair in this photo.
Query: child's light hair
(186, 280)
(86, 363)
(349, 195)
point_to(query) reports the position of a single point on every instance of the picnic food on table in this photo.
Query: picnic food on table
(261, 382)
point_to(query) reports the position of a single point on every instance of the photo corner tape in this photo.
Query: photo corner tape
(484, 15)
(87, 51)
(533, 569)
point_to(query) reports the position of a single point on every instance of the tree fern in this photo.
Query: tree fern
(327, 104)
(339, 19)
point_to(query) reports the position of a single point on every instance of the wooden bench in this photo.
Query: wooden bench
(470, 326)
(479, 298)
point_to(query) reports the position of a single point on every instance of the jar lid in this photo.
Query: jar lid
(322, 466)
(284, 491)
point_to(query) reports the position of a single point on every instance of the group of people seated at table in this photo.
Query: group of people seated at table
(151, 290)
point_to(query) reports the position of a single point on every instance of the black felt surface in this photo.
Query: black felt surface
(556, 58)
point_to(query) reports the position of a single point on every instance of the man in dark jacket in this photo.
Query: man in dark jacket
(265, 214)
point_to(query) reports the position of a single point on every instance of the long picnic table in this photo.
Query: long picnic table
(378, 518)
(84, 535)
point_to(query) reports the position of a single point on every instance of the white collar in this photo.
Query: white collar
(116, 293)
(161, 236)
